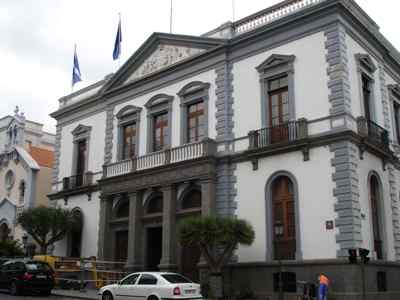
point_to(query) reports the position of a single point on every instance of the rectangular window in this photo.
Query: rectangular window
(195, 121)
(396, 112)
(128, 141)
(81, 162)
(367, 90)
(278, 97)
(160, 131)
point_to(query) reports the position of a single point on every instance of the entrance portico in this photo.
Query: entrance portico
(157, 200)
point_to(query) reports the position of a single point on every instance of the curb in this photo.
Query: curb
(78, 295)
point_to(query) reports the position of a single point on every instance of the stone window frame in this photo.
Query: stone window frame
(80, 133)
(275, 66)
(128, 115)
(269, 255)
(366, 67)
(190, 94)
(158, 104)
(394, 96)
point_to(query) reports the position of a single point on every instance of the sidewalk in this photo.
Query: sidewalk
(89, 294)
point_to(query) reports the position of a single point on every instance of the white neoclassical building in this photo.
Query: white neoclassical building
(288, 118)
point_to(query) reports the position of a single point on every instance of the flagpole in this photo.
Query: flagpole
(72, 85)
(119, 57)
(170, 20)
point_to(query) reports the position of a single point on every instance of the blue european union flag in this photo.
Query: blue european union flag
(117, 44)
(76, 72)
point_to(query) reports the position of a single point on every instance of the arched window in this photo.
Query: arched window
(122, 210)
(375, 201)
(75, 235)
(283, 218)
(155, 206)
(4, 232)
(192, 200)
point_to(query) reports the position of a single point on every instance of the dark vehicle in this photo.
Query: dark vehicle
(21, 276)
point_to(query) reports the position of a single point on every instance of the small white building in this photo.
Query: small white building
(26, 164)
(288, 118)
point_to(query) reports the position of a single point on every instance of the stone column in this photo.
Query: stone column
(168, 259)
(208, 198)
(134, 262)
(104, 247)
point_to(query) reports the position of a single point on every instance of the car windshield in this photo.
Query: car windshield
(37, 266)
(176, 278)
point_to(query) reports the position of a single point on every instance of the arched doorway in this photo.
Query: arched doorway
(153, 215)
(190, 256)
(75, 235)
(283, 214)
(4, 232)
(121, 236)
(376, 203)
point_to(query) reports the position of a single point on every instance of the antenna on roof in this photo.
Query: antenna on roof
(233, 10)
(170, 20)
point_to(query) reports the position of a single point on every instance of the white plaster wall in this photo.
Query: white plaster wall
(373, 163)
(310, 80)
(96, 145)
(316, 202)
(90, 231)
(353, 48)
(173, 89)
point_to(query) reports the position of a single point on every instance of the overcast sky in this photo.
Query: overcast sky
(38, 36)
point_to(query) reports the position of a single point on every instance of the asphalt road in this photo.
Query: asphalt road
(7, 296)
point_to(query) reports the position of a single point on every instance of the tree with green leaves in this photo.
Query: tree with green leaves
(48, 225)
(217, 238)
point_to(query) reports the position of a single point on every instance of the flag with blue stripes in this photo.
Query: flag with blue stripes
(76, 72)
(117, 44)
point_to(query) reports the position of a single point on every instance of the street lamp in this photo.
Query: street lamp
(278, 231)
(25, 243)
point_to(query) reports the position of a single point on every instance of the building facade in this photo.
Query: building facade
(26, 164)
(288, 118)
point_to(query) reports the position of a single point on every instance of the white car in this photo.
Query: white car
(152, 286)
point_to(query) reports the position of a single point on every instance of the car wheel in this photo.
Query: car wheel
(14, 289)
(45, 293)
(152, 298)
(107, 296)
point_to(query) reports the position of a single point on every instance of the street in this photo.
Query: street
(6, 296)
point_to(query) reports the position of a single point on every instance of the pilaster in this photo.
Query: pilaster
(134, 262)
(104, 246)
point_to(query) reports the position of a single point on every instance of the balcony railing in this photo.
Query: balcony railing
(282, 133)
(77, 181)
(373, 132)
(207, 147)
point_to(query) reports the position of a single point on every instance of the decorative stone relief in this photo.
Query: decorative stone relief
(163, 56)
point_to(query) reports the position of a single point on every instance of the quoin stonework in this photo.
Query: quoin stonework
(290, 116)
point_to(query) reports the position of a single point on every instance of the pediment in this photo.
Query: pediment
(275, 60)
(160, 52)
(366, 62)
(81, 129)
(128, 111)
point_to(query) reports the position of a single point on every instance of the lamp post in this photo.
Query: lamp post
(278, 231)
(25, 243)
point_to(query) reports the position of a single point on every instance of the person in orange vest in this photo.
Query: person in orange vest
(323, 286)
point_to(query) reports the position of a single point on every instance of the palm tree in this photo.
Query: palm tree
(217, 238)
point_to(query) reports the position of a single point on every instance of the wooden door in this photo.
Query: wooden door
(278, 110)
(121, 245)
(81, 162)
(284, 213)
(374, 198)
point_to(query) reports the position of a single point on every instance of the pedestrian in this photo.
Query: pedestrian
(323, 286)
